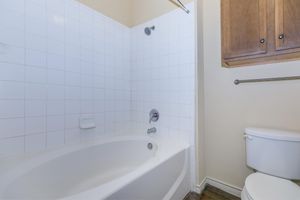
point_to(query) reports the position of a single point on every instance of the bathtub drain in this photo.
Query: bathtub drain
(150, 146)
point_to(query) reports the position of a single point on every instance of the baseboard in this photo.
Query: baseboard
(199, 188)
(236, 191)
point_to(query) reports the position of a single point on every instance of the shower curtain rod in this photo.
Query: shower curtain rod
(182, 6)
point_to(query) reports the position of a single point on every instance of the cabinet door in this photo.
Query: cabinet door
(244, 28)
(287, 23)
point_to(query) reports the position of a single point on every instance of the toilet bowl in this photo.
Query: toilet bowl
(275, 155)
(260, 186)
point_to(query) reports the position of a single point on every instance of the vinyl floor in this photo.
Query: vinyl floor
(211, 193)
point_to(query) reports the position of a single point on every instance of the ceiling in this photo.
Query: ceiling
(132, 12)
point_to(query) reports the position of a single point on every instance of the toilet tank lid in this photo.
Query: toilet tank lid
(274, 134)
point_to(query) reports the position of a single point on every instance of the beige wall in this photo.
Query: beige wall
(229, 108)
(144, 10)
(200, 136)
(132, 12)
(119, 10)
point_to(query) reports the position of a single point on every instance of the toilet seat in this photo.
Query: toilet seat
(245, 195)
(259, 186)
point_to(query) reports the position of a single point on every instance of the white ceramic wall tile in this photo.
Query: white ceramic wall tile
(14, 5)
(12, 108)
(55, 139)
(35, 58)
(11, 37)
(12, 54)
(55, 123)
(16, 18)
(37, 27)
(56, 61)
(11, 72)
(55, 92)
(35, 125)
(162, 75)
(71, 121)
(35, 143)
(56, 77)
(87, 93)
(55, 47)
(40, 2)
(72, 136)
(35, 91)
(35, 75)
(34, 8)
(55, 107)
(60, 60)
(12, 146)
(86, 107)
(72, 93)
(11, 127)
(11, 90)
(35, 42)
(73, 79)
(72, 106)
(35, 108)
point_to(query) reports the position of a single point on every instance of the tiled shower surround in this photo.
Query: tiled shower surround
(61, 61)
(163, 75)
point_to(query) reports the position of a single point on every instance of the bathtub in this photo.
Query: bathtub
(123, 168)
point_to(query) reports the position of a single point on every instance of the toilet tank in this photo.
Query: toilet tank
(274, 152)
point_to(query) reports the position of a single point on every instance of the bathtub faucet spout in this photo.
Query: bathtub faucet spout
(151, 130)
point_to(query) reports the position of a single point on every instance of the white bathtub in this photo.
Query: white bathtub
(114, 169)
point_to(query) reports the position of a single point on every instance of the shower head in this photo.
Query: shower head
(149, 29)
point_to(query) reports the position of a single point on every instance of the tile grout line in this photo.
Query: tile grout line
(47, 69)
(65, 21)
(25, 49)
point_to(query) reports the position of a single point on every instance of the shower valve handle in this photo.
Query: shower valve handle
(154, 116)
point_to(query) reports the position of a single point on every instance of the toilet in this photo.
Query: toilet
(275, 156)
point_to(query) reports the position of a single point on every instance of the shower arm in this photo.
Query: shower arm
(183, 7)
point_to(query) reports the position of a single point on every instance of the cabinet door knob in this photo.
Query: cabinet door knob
(262, 41)
(281, 36)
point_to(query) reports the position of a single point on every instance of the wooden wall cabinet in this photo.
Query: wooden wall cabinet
(260, 31)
